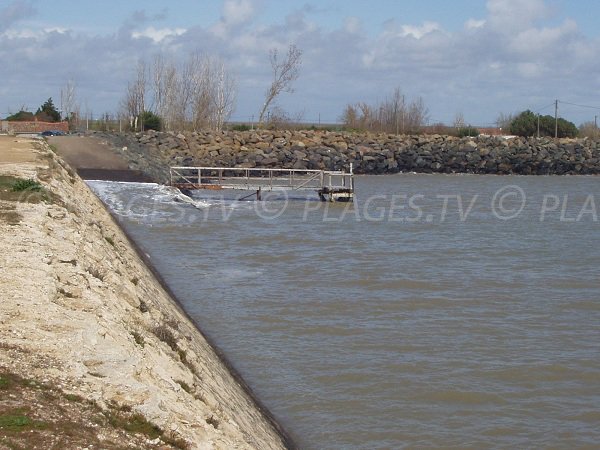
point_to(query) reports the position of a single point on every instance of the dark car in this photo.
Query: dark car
(53, 133)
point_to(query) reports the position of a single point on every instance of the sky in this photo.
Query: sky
(478, 59)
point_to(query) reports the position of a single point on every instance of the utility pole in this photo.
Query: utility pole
(556, 119)
(538, 126)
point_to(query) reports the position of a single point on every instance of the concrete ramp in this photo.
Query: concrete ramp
(94, 159)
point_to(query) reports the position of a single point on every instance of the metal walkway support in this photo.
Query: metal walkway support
(329, 185)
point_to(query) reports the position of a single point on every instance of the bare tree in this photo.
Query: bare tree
(223, 94)
(367, 117)
(68, 100)
(212, 92)
(504, 120)
(200, 92)
(134, 103)
(589, 130)
(350, 116)
(418, 115)
(393, 115)
(285, 72)
(459, 120)
(158, 85)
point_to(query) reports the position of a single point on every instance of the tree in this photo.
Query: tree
(527, 122)
(223, 95)
(589, 130)
(48, 112)
(285, 72)
(68, 100)
(459, 120)
(135, 99)
(151, 121)
(503, 121)
(393, 115)
(198, 93)
(21, 116)
(524, 124)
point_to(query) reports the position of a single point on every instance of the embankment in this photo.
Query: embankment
(82, 313)
(154, 152)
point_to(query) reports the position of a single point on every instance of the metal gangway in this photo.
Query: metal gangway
(329, 185)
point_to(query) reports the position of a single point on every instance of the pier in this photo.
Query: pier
(332, 186)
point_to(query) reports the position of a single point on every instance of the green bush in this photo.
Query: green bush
(26, 185)
(241, 127)
(467, 132)
(151, 121)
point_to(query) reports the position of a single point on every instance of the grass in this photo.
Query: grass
(16, 422)
(5, 382)
(32, 411)
(134, 423)
(30, 184)
(74, 398)
(14, 189)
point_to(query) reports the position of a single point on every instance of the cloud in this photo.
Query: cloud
(236, 12)
(534, 42)
(419, 31)
(234, 15)
(141, 16)
(158, 35)
(14, 12)
(518, 53)
(473, 24)
(352, 25)
(509, 15)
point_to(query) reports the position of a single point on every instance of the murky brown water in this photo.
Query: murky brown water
(449, 311)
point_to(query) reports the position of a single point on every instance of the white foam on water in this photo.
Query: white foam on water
(145, 202)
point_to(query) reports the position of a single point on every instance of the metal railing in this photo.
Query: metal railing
(257, 179)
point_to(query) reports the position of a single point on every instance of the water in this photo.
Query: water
(437, 311)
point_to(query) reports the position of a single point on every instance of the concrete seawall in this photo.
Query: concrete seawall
(82, 312)
(154, 152)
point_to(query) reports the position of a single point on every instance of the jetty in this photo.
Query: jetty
(331, 186)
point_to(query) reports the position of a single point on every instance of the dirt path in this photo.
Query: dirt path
(94, 159)
(14, 150)
(87, 153)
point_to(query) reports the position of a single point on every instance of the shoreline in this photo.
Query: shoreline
(112, 333)
(288, 442)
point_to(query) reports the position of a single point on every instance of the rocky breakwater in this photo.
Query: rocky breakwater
(94, 352)
(154, 152)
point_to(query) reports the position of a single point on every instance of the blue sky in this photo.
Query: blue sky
(475, 58)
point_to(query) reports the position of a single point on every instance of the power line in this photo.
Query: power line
(545, 107)
(579, 106)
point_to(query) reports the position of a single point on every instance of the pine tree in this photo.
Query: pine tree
(48, 112)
